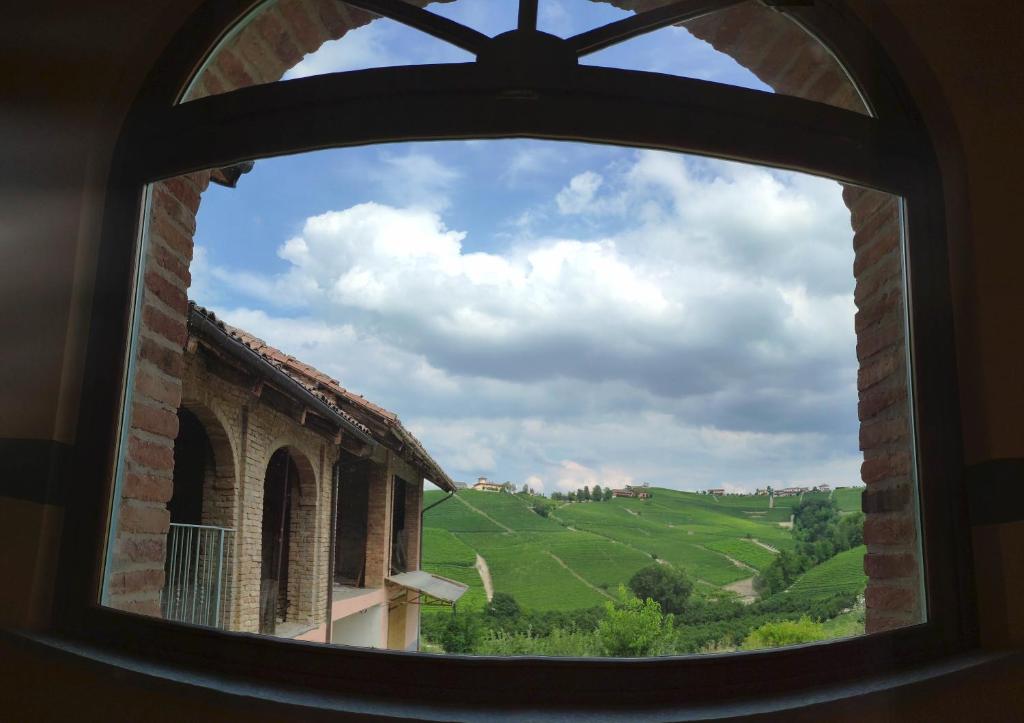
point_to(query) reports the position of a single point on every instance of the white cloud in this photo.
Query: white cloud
(707, 338)
(578, 195)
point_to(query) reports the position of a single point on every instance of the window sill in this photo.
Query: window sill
(207, 690)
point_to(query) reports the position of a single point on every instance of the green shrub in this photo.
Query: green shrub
(786, 632)
(633, 627)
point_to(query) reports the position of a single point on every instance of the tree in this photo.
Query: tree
(503, 607)
(571, 497)
(607, 493)
(633, 627)
(463, 633)
(585, 495)
(596, 494)
(667, 586)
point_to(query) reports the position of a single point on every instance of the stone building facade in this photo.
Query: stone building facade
(249, 412)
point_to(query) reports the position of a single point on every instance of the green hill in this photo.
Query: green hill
(842, 573)
(580, 553)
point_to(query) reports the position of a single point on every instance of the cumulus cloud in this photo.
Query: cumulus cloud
(579, 194)
(703, 334)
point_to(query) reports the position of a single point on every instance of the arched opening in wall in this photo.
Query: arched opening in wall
(876, 382)
(288, 545)
(279, 492)
(194, 468)
(199, 560)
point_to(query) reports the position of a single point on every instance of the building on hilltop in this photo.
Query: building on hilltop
(717, 491)
(296, 504)
(485, 485)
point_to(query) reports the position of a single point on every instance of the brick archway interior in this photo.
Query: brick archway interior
(766, 43)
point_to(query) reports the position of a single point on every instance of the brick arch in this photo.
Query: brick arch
(762, 40)
(304, 552)
(218, 488)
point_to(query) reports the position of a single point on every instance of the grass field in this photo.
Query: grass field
(848, 498)
(842, 573)
(583, 551)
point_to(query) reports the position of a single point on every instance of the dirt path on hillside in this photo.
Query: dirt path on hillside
(631, 512)
(733, 560)
(745, 589)
(485, 576)
(787, 525)
(484, 514)
(765, 545)
(576, 575)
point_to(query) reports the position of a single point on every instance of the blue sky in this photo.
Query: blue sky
(557, 313)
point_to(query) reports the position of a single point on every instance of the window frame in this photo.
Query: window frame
(891, 151)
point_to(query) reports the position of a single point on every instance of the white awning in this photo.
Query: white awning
(435, 586)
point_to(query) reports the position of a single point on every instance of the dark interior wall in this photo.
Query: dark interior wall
(73, 68)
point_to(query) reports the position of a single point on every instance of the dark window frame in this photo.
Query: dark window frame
(891, 151)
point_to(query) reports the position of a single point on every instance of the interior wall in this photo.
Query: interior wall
(73, 68)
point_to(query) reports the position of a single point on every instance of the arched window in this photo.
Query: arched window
(838, 110)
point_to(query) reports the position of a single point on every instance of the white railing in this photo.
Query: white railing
(198, 568)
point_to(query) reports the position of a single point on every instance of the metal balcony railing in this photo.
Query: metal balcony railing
(198, 570)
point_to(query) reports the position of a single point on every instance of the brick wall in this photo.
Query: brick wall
(378, 523)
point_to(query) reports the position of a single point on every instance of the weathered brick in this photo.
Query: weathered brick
(878, 432)
(886, 242)
(271, 28)
(172, 235)
(166, 204)
(890, 597)
(231, 70)
(883, 276)
(886, 565)
(137, 548)
(171, 293)
(173, 329)
(878, 622)
(879, 397)
(875, 339)
(885, 307)
(147, 487)
(158, 388)
(150, 454)
(135, 581)
(888, 529)
(894, 464)
(149, 606)
(170, 261)
(168, 360)
(144, 517)
(157, 420)
(298, 15)
(892, 499)
(183, 189)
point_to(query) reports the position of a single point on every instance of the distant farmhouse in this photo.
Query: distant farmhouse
(790, 491)
(485, 485)
(640, 492)
(717, 491)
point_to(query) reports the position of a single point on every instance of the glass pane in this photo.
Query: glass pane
(648, 375)
(282, 40)
(490, 17)
(749, 45)
(566, 18)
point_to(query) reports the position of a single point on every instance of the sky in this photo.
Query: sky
(552, 313)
